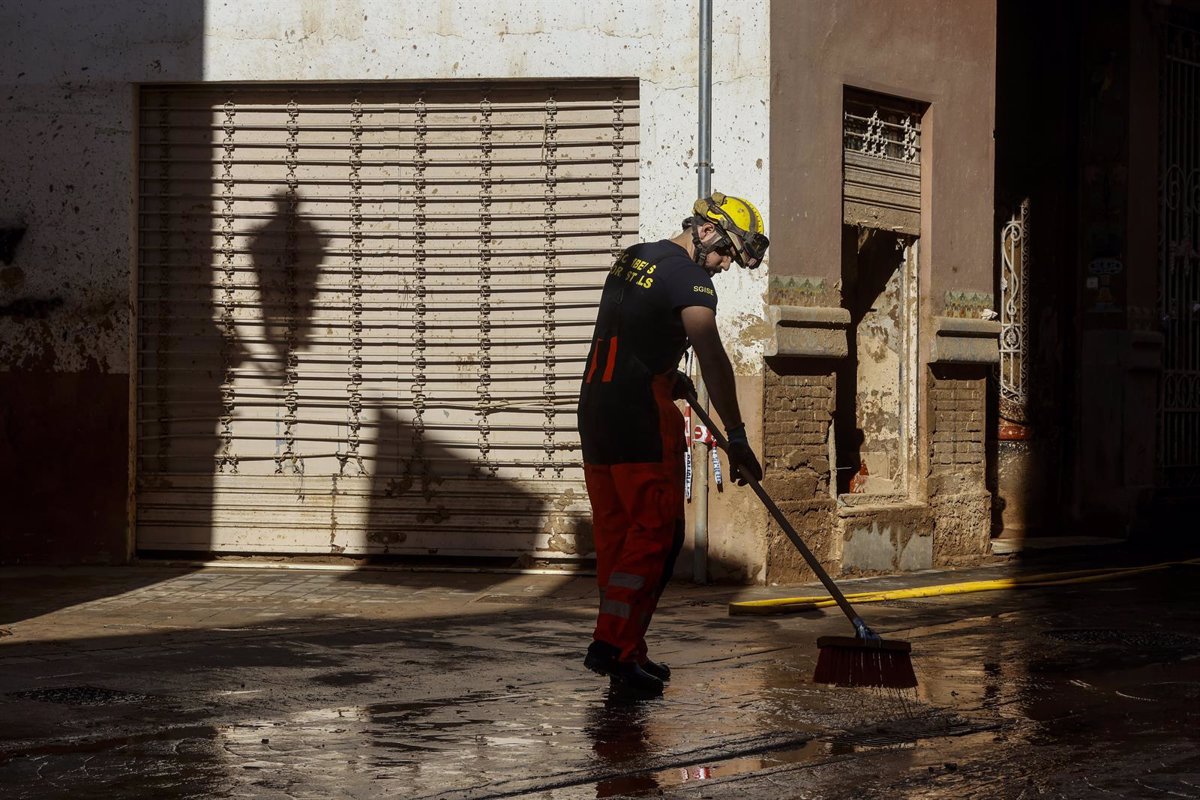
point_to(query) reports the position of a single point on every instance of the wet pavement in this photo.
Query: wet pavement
(154, 682)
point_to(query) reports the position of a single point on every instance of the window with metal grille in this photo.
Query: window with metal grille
(881, 162)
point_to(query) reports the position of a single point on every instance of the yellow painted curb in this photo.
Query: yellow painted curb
(786, 605)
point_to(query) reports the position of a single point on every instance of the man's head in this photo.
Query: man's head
(726, 229)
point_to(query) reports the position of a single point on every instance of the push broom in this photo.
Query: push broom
(865, 659)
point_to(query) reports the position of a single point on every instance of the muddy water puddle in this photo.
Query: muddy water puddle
(1027, 692)
(812, 754)
(648, 783)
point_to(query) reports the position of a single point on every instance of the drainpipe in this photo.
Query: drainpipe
(700, 455)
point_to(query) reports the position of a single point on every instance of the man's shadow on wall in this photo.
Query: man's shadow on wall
(416, 484)
(215, 365)
(188, 422)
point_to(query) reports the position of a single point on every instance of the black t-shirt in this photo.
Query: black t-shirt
(644, 292)
(639, 334)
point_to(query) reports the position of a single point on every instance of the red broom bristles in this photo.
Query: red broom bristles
(850, 661)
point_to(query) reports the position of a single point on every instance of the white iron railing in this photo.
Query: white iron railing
(1014, 310)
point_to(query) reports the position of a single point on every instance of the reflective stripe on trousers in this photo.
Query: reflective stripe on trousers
(637, 521)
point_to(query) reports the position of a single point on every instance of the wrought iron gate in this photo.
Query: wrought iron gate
(1014, 322)
(1179, 260)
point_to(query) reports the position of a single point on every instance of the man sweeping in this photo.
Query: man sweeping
(658, 298)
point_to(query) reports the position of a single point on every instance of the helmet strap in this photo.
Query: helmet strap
(701, 249)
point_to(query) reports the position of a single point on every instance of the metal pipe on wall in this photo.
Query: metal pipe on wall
(704, 172)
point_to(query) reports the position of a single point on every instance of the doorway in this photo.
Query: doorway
(874, 413)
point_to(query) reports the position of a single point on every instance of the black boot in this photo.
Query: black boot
(626, 677)
(660, 671)
(631, 680)
(602, 657)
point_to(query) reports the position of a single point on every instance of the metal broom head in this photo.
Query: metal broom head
(851, 661)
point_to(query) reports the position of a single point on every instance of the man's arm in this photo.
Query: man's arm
(700, 324)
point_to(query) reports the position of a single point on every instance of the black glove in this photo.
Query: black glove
(682, 388)
(742, 460)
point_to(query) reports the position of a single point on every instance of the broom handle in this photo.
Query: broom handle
(860, 627)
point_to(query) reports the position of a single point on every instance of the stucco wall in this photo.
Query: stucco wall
(68, 168)
(940, 52)
(66, 176)
(654, 40)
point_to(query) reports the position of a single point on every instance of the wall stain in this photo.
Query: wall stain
(30, 307)
(12, 279)
(10, 237)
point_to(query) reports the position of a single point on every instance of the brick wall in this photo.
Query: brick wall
(798, 406)
(958, 495)
(797, 414)
(957, 423)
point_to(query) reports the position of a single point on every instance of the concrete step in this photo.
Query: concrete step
(1007, 546)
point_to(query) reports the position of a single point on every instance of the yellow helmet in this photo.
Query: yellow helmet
(740, 223)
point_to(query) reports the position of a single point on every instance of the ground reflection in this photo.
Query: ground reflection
(619, 729)
(1056, 687)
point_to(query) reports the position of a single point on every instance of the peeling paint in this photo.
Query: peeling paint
(878, 288)
(884, 546)
(887, 538)
(569, 524)
(70, 163)
(438, 515)
(879, 400)
(69, 159)
(558, 543)
(744, 337)
(334, 547)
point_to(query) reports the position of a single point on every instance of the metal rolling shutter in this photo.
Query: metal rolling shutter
(363, 313)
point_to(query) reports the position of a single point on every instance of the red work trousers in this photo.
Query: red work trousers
(637, 521)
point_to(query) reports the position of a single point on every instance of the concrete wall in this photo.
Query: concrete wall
(1120, 328)
(68, 176)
